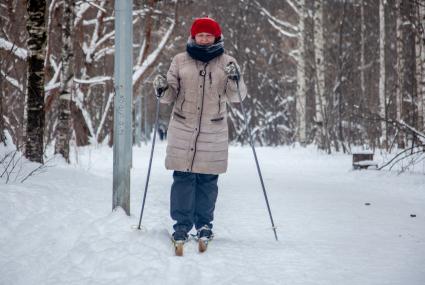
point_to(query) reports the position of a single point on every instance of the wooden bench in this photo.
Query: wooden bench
(363, 159)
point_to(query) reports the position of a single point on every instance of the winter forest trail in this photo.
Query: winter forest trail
(58, 227)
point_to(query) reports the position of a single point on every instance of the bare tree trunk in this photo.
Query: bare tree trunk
(338, 101)
(63, 129)
(382, 74)
(400, 69)
(420, 64)
(301, 102)
(362, 50)
(406, 71)
(409, 90)
(319, 46)
(2, 136)
(310, 71)
(35, 117)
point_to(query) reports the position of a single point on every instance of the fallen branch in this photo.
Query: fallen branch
(39, 169)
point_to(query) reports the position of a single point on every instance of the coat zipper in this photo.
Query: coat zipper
(200, 118)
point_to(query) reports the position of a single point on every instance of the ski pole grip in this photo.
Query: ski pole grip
(237, 76)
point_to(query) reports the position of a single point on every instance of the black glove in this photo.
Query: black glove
(160, 85)
(232, 71)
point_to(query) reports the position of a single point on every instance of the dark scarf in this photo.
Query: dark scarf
(204, 53)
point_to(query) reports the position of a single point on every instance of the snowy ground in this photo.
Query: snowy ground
(58, 228)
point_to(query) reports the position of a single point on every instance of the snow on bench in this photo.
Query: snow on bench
(363, 159)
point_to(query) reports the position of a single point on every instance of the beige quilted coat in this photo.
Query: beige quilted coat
(198, 132)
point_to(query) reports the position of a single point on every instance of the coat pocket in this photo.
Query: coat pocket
(181, 120)
(217, 119)
(180, 116)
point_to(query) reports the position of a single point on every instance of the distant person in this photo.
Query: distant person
(162, 131)
(199, 82)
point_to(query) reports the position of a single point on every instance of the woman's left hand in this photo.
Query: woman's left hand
(232, 71)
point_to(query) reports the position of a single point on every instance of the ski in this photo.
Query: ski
(202, 245)
(178, 247)
(179, 244)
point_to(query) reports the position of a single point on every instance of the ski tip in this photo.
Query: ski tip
(178, 249)
(202, 245)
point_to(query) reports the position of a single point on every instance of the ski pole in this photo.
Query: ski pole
(150, 162)
(255, 156)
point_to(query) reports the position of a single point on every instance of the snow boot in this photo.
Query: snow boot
(204, 235)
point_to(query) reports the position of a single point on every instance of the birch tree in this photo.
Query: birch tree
(321, 103)
(382, 74)
(35, 115)
(63, 129)
(335, 114)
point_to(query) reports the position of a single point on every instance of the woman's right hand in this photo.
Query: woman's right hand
(160, 85)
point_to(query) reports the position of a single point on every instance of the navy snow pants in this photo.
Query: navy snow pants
(192, 200)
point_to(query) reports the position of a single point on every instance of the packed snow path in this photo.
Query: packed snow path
(58, 228)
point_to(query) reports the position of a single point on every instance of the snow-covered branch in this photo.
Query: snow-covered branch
(81, 8)
(96, 6)
(89, 50)
(285, 28)
(49, 30)
(103, 52)
(93, 80)
(12, 81)
(104, 115)
(104, 39)
(54, 81)
(50, 87)
(420, 135)
(281, 30)
(293, 6)
(79, 102)
(141, 53)
(140, 70)
(15, 50)
(92, 51)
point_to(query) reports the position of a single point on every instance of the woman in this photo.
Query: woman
(199, 82)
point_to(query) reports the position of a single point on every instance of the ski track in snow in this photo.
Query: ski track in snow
(58, 228)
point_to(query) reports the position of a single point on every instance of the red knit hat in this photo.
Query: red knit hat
(205, 25)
